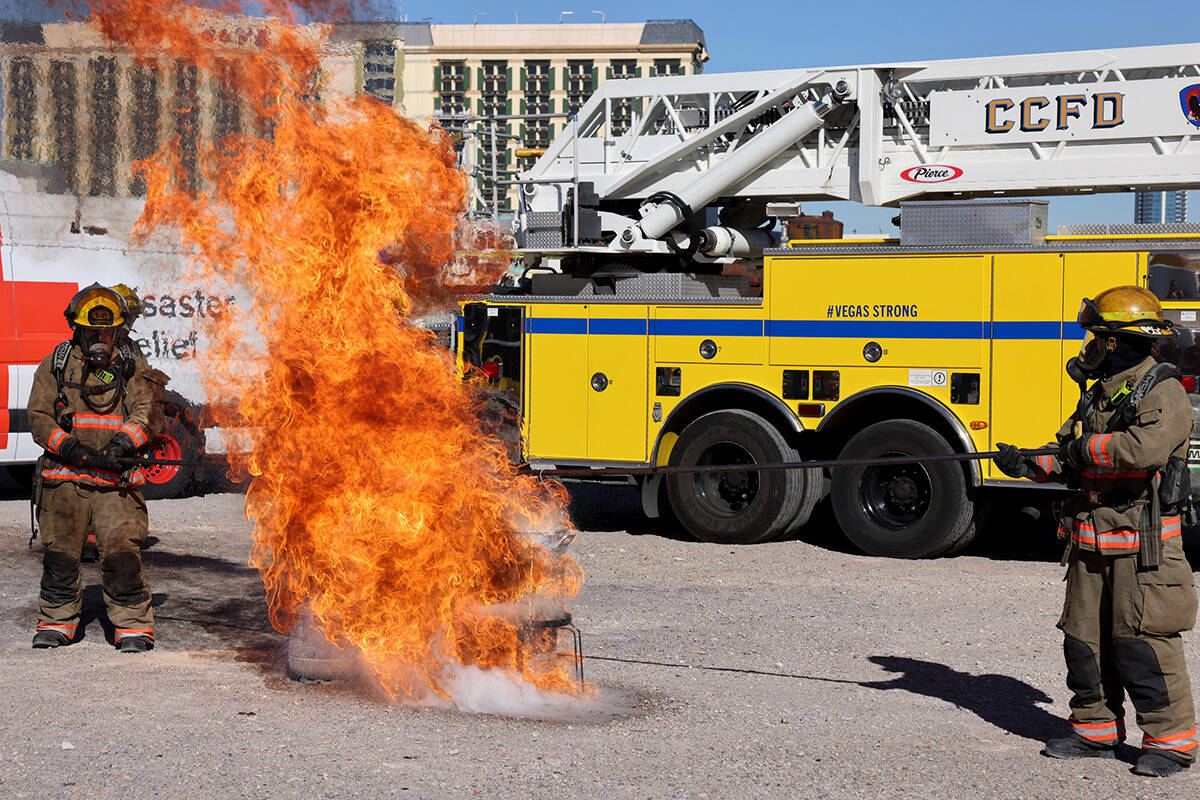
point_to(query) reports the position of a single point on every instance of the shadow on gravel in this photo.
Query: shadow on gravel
(94, 610)
(604, 508)
(1020, 525)
(200, 620)
(164, 560)
(1009, 704)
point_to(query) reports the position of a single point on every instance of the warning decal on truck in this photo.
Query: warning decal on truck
(927, 377)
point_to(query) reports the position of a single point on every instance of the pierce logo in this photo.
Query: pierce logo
(1189, 99)
(931, 173)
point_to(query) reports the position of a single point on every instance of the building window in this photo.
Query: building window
(379, 70)
(187, 125)
(229, 105)
(64, 98)
(622, 108)
(537, 101)
(624, 68)
(667, 66)
(452, 87)
(103, 156)
(145, 119)
(580, 83)
(22, 99)
(494, 88)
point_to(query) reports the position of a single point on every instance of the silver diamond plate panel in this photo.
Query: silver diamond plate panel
(1129, 229)
(604, 299)
(554, 283)
(543, 238)
(679, 285)
(1072, 246)
(543, 219)
(972, 222)
(544, 229)
(642, 286)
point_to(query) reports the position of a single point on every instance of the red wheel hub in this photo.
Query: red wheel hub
(166, 447)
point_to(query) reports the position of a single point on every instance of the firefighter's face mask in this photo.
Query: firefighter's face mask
(98, 345)
(1094, 353)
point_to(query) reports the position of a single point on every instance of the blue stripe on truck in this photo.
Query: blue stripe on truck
(556, 325)
(707, 327)
(617, 327)
(803, 328)
(869, 329)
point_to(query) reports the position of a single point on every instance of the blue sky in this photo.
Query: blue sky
(753, 34)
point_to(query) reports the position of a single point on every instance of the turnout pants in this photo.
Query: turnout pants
(1122, 627)
(67, 512)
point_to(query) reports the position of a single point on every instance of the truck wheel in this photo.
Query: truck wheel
(736, 507)
(175, 442)
(912, 510)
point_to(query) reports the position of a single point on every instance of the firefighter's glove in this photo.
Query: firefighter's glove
(1076, 452)
(76, 454)
(1012, 462)
(119, 446)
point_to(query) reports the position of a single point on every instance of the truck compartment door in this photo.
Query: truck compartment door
(1087, 275)
(556, 382)
(1027, 334)
(618, 404)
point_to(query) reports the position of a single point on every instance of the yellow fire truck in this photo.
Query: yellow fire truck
(625, 345)
(853, 350)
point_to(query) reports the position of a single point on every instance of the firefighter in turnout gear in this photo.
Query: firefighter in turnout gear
(91, 405)
(1130, 590)
(133, 307)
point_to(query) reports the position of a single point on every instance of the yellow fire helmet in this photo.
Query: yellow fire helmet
(96, 307)
(1125, 309)
(133, 303)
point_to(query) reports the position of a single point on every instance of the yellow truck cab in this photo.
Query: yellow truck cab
(949, 339)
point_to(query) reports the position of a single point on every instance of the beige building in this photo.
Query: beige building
(463, 71)
(68, 100)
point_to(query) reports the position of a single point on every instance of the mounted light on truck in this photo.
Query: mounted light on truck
(1190, 383)
(810, 409)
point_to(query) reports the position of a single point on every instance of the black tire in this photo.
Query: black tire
(904, 511)
(983, 505)
(737, 507)
(176, 442)
(816, 486)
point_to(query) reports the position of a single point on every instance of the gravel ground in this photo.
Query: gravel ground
(792, 669)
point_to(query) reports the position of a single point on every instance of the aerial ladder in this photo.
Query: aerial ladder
(682, 171)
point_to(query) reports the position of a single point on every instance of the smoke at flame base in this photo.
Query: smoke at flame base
(374, 496)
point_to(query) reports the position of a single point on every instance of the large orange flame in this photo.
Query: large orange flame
(374, 495)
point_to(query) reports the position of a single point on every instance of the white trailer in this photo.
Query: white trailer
(51, 245)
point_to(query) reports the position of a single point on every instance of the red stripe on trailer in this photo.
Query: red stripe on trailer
(31, 324)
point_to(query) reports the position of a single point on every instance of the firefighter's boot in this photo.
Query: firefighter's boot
(46, 638)
(135, 644)
(1153, 764)
(1076, 747)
